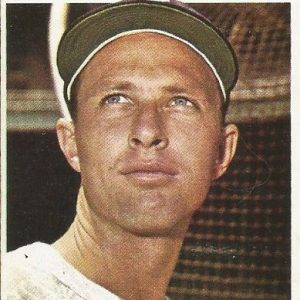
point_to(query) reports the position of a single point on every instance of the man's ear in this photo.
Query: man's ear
(227, 150)
(66, 137)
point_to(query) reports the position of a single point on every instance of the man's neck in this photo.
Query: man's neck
(129, 265)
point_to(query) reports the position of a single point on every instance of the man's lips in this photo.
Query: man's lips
(149, 173)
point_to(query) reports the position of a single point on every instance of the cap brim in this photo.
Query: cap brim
(86, 35)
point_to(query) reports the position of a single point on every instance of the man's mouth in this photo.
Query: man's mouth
(152, 173)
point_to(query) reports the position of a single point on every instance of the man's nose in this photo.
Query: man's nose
(148, 131)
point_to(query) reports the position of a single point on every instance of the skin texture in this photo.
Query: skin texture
(148, 141)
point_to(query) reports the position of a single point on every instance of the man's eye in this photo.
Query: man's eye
(181, 102)
(116, 99)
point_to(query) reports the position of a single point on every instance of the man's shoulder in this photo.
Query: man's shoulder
(27, 276)
(26, 262)
(37, 271)
(27, 255)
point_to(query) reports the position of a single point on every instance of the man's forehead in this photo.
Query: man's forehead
(148, 49)
(149, 57)
(148, 63)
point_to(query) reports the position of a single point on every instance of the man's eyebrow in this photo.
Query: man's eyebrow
(125, 85)
(197, 92)
(175, 89)
(108, 85)
(185, 89)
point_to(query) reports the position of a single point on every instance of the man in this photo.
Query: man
(147, 85)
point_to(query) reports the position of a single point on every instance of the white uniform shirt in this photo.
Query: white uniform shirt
(37, 271)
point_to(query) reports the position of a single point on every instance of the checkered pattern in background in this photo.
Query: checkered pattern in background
(260, 36)
(238, 245)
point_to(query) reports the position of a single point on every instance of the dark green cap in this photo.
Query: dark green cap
(87, 36)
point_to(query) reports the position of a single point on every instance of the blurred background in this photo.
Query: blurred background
(238, 245)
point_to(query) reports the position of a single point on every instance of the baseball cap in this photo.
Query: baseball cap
(92, 32)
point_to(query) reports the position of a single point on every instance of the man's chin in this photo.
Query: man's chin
(153, 212)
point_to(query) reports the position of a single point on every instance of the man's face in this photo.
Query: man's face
(148, 133)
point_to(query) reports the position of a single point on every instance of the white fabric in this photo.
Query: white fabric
(37, 272)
